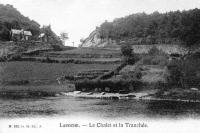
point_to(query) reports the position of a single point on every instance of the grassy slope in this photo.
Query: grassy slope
(44, 71)
(89, 51)
(42, 76)
(86, 53)
(80, 54)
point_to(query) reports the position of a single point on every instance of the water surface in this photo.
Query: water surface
(97, 108)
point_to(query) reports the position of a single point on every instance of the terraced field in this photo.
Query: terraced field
(84, 53)
(45, 72)
(32, 71)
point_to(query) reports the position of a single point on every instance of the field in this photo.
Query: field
(84, 53)
(31, 73)
(89, 51)
(11, 71)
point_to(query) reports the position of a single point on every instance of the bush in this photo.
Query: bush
(136, 75)
(155, 60)
(184, 73)
(57, 47)
(16, 57)
(175, 77)
(129, 60)
(17, 82)
(127, 52)
(113, 85)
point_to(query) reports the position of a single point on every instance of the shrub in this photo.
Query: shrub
(155, 60)
(175, 77)
(57, 47)
(17, 82)
(185, 73)
(136, 75)
(15, 57)
(3, 59)
(113, 85)
(127, 52)
(129, 60)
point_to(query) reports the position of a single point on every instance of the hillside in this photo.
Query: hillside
(11, 18)
(178, 27)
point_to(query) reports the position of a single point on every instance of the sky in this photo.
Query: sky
(79, 18)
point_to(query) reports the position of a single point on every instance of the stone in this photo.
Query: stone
(77, 92)
(103, 93)
(194, 89)
(107, 89)
(90, 93)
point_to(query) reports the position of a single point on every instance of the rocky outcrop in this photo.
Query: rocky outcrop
(94, 40)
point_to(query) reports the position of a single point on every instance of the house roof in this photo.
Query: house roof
(27, 33)
(15, 31)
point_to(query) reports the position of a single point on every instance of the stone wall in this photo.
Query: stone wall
(167, 48)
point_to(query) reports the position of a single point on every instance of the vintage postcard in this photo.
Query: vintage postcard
(98, 66)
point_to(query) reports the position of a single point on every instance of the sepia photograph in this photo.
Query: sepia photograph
(99, 66)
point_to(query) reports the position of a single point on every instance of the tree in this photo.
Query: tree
(190, 32)
(51, 36)
(127, 52)
(82, 40)
(64, 36)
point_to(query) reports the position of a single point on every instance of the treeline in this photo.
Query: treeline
(11, 18)
(155, 28)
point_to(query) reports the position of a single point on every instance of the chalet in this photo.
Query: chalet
(19, 35)
(27, 35)
(43, 37)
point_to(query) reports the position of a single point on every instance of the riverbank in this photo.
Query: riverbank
(173, 95)
(24, 91)
(149, 95)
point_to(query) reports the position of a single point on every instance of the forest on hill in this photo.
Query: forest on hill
(11, 18)
(157, 28)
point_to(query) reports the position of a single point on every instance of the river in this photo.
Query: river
(98, 108)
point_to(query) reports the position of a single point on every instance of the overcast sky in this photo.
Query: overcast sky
(80, 17)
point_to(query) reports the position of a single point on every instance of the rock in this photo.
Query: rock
(103, 93)
(77, 92)
(90, 93)
(94, 40)
(63, 93)
(194, 89)
(57, 95)
(107, 89)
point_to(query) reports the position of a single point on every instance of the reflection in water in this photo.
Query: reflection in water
(174, 109)
(70, 106)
